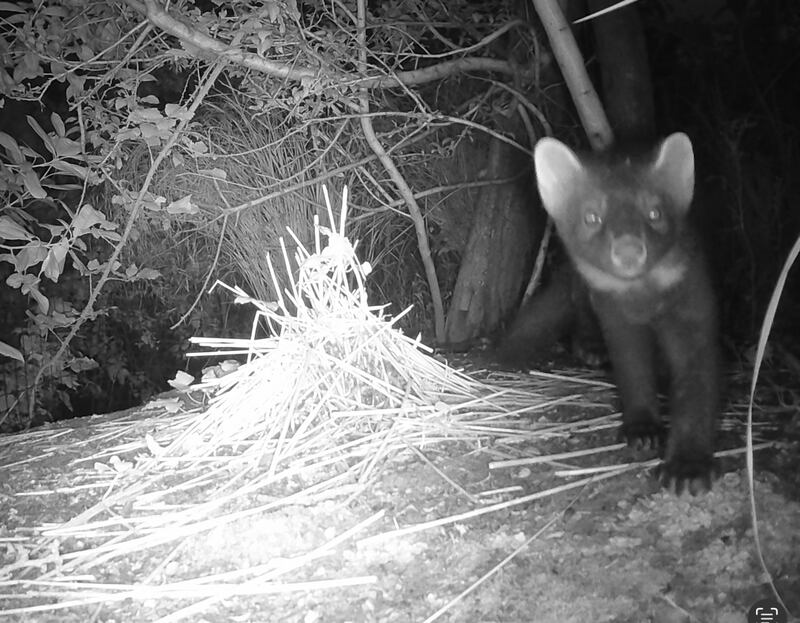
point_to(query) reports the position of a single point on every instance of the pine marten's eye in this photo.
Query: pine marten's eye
(650, 207)
(654, 215)
(592, 219)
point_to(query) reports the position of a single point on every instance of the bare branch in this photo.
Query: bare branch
(204, 46)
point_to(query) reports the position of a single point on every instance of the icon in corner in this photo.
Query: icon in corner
(766, 611)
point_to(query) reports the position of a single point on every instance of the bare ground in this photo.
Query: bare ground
(616, 550)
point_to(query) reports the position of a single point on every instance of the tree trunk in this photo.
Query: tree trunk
(627, 87)
(497, 254)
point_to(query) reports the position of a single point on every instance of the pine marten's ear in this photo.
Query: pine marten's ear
(673, 169)
(558, 173)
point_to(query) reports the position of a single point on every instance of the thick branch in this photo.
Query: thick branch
(439, 71)
(212, 48)
(195, 39)
(570, 60)
(402, 186)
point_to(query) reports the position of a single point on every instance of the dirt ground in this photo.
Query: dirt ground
(615, 550)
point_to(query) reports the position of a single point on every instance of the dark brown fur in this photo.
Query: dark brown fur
(624, 224)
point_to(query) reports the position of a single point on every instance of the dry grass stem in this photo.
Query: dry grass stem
(309, 409)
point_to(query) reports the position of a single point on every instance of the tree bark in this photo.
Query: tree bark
(498, 250)
(625, 71)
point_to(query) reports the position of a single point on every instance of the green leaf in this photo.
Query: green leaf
(58, 124)
(150, 130)
(66, 147)
(81, 364)
(11, 146)
(53, 265)
(5, 349)
(145, 114)
(87, 219)
(183, 205)
(41, 299)
(198, 147)
(11, 230)
(15, 281)
(148, 273)
(48, 142)
(30, 255)
(129, 134)
(28, 67)
(70, 169)
(175, 111)
(31, 181)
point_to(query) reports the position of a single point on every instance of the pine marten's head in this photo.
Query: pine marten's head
(620, 217)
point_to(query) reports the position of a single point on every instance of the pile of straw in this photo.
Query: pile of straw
(334, 375)
(318, 404)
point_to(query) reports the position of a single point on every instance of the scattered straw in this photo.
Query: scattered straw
(326, 391)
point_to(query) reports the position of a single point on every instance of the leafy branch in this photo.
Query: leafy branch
(92, 64)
